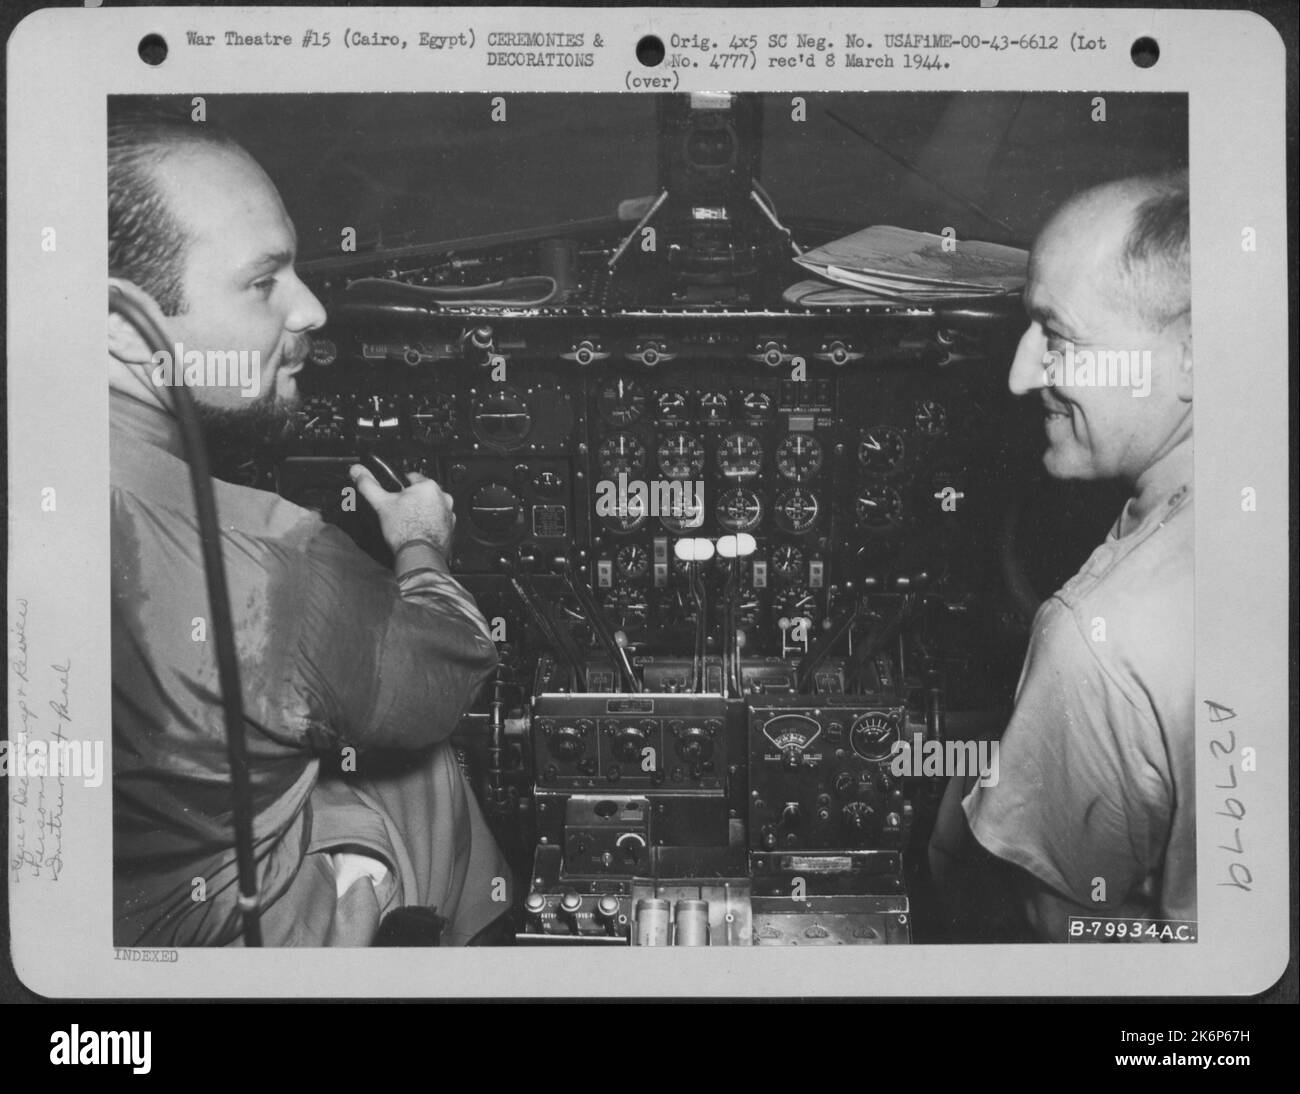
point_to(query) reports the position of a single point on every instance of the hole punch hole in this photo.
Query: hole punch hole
(153, 49)
(1145, 52)
(650, 51)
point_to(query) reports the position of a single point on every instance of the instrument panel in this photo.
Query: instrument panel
(846, 477)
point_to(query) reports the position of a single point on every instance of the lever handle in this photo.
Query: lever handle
(385, 473)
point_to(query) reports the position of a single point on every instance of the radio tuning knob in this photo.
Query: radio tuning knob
(568, 741)
(628, 743)
(570, 903)
(632, 845)
(607, 906)
(856, 815)
(693, 745)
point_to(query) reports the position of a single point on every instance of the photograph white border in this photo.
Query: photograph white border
(64, 64)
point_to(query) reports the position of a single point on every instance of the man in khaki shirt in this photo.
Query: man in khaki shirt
(1093, 812)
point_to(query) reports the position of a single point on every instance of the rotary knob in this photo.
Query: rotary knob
(568, 742)
(693, 744)
(633, 847)
(857, 816)
(570, 903)
(628, 742)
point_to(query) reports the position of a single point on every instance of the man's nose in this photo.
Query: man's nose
(1028, 367)
(307, 312)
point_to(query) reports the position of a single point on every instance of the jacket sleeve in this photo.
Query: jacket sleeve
(386, 661)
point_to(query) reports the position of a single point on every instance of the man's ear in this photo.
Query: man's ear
(125, 342)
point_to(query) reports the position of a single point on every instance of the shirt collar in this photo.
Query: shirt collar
(145, 423)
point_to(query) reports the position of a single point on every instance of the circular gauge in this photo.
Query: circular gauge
(787, 562)
(626, 514)
(620, 453)
(319, 419)
(377, 417)
(796, 603)
(685, 516)
(881, 450)
(628, 521)
(873, 735)
(672, 406)
(930, 417)
(621, 402)
(740, 510)
(740, 456)
(713, 406)
(433, 418)
(681, 456)
(796, 509)
(628, 606)
(633, 561)
(757, 403)
(496, 513)
(791, 733)
(502, 418)
(799, 457)
(548, 483)
(879, 507)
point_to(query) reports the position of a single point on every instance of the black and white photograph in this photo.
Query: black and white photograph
(493, 491)
(677, 520)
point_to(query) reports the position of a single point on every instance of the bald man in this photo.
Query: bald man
(1093, 813)
(353, 677)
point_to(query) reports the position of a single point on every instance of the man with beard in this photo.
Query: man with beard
(345, 667)
(1093, 813)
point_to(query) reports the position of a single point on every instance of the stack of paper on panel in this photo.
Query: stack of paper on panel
(886, 265)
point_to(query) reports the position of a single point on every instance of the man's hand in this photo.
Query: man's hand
(422, 511)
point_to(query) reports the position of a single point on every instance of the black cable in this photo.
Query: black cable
(133, 305)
